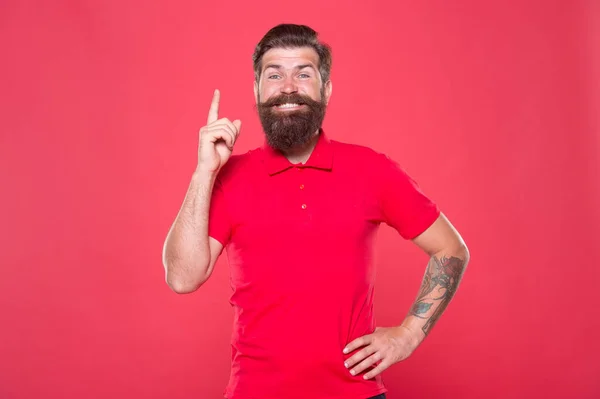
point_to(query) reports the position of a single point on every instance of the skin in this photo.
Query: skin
(189, 254)
(287, 71)
(389, 345)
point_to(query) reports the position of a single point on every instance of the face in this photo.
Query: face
(291, 97)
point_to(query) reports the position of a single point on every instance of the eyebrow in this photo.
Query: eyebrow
(297, 67)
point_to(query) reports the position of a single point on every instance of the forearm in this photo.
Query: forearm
(440, 283)
(186, 253)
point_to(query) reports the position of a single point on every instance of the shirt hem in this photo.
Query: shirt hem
(365, 395)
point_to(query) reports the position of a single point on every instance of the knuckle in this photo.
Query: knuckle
(223, 126)
(222, 130)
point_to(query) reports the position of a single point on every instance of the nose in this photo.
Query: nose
(289, 85)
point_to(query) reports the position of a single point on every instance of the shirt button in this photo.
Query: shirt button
(303, 206)
(302, 187)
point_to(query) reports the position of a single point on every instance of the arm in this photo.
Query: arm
(388, 345)
(449, 257)
(189, 254)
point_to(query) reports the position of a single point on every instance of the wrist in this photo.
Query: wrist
(415, 333)
(204, 175)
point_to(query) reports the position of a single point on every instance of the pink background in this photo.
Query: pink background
(491, 106)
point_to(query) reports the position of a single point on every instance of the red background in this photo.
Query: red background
(491, 106)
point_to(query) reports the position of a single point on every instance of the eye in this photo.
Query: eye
(304, 76)
(273, 77)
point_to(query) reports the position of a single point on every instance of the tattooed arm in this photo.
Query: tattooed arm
(448, 260)
(388, 345)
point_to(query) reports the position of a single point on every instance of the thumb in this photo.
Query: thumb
(238, 125)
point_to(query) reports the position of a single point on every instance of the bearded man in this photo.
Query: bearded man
(298, 218)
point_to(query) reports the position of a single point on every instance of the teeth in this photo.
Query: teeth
(287, 105)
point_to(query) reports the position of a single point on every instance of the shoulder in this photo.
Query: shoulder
(364, 155)
(378, 167)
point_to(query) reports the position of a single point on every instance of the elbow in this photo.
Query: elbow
(181, 284)
(182, 287)
(467, 252)
(463, 250)
(458, 252)
(463, 253)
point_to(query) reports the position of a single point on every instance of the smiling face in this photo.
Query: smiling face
(291, 96)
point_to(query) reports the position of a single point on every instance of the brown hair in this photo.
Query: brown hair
(293, 36)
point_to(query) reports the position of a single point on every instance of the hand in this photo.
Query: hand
(386, 345)
(216, 138)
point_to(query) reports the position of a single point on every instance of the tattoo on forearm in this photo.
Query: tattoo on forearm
(442, 276)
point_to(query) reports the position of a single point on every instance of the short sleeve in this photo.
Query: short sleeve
(219, 226)
(402, 204)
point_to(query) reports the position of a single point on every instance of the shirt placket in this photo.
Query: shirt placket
(302, 202)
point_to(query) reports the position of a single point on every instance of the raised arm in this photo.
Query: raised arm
(189, 254)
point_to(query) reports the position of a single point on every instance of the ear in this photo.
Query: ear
(256, 92)
(327, 91)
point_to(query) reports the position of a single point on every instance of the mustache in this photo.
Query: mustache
(293, 98)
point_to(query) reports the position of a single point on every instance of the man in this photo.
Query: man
(298, 217)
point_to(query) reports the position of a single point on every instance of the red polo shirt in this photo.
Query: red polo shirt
(299, 241)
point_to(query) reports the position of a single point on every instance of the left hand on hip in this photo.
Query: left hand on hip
(386, 345)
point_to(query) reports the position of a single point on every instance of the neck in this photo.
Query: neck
(301, 154)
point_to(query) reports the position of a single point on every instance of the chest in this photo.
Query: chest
(303, 202)
(302, 228)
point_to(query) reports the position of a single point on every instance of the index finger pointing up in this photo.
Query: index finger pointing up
(213, 113)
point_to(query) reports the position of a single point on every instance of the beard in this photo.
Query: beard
(285, 130)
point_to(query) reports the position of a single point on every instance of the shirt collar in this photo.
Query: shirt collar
(320, 158)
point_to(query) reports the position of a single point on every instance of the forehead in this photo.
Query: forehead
(288, 58)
